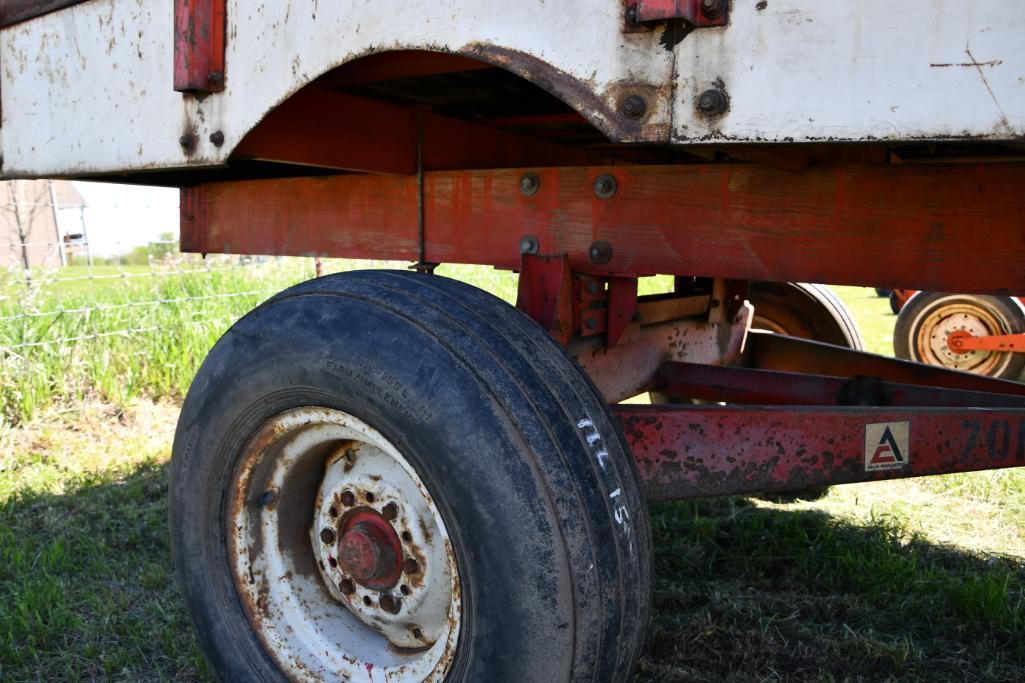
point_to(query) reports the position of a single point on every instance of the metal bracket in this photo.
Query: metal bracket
(696, 13)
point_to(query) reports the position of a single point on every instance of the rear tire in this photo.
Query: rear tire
(522, 472)
(800, 309)
(928, 318)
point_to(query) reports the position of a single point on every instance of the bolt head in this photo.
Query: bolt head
(713, 9)
(600, 252)
(712, 102)
(605, 186)
(634, 107)
(529, 184)
(215, 79)
(529, 245)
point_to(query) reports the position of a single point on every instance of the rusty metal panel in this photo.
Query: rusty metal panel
(88, 89)
(55, 65)
(695, 451)
(13, 11)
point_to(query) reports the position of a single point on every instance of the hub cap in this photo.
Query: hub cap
(339, 553)
(960, 318)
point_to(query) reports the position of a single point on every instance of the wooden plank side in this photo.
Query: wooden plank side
(14, 11)
(354, 216)
(938, 228)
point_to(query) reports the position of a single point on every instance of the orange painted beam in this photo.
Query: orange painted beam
(939, 228)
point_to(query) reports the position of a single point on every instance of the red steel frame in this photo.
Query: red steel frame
(850, 224)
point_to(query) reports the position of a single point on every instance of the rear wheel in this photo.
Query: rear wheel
(799, 309)
(928, 319)
(398, 476)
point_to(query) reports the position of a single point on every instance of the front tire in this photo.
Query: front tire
(507, 472)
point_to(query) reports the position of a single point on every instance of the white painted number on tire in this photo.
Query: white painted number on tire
(887, 446)
(594, 440)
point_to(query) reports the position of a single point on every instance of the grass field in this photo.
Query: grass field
(913, 580)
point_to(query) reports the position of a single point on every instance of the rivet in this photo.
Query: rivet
(217, 138)
(187, 141)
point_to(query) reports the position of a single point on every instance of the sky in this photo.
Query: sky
(120, 217)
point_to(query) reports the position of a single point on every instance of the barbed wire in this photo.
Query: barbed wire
(132, 304)
(97, 335)
(114, 276)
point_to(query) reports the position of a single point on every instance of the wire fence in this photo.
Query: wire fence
(119, 331)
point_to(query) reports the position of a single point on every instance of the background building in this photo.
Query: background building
(40, 223)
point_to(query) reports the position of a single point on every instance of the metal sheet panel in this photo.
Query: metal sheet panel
(808, 70)
(88, 89)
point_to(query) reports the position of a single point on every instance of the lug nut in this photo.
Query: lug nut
(634, 107)
(712, 102)
(390, 511)
(327, 536)
(347, 586)
(348, 499)
(411, 566)
(390, 604)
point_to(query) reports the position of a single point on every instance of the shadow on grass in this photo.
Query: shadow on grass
(87, 589)
(753, 593)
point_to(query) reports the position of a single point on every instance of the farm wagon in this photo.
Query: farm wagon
(389, 475)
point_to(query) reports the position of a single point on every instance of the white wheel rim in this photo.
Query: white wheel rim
(934, 326)
(313, 470)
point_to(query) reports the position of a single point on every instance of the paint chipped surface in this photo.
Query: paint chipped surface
(88, 89)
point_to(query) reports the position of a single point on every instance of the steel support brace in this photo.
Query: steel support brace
(697, 451)
(199, 45)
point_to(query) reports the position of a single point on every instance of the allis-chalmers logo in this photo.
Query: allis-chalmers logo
(887, 446)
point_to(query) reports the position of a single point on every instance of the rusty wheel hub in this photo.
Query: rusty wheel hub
(351, 574)
(941, 330)
(370, 551)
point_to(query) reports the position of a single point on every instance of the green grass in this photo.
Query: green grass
(909, 580)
